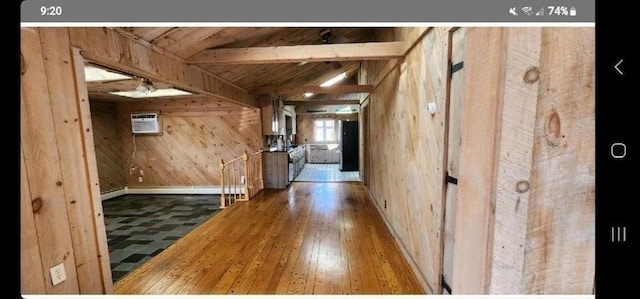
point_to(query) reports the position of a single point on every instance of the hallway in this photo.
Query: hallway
(313, 238)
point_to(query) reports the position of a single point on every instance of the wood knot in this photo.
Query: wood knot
(36, 204)
(23, 66)
(554, 129)
(522, 186)
(58, 183)
(532, 75)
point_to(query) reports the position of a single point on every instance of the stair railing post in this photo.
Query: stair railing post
(223, 200)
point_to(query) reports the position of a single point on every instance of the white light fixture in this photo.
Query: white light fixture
(345, 110)
(93, 74)
(334, 80)
(145, 86)
(308, 94)
(167, 92)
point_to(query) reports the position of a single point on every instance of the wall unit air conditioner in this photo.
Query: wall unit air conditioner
(145, 123)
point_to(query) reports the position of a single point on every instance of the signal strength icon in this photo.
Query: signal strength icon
(540, 12)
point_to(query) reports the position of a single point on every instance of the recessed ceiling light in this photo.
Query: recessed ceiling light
(308, 94)
(167, 92)
(93, 74)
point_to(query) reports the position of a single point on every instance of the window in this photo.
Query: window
(324, 130)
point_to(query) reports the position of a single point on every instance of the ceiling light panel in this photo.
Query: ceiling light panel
(167, 92)
(94, 74)
(334, 80)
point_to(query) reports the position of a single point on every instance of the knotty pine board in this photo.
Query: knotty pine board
(196, 135)
(57, 170)
(560, 256)
(108, 144)
(407, 146)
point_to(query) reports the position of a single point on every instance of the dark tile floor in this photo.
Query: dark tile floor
(141, 226)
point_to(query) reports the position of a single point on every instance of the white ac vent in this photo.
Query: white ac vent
(145, 123)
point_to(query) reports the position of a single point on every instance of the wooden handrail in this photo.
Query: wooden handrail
(241, 177)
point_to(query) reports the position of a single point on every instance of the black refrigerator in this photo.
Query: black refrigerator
(348, 145)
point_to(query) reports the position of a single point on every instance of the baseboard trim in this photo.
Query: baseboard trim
(403, 249)
(112, 194)
(212, 190)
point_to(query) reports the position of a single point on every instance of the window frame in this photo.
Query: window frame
(325, 129)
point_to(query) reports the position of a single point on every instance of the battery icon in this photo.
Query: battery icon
(572, 11)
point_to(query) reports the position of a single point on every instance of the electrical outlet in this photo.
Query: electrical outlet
(140, 179)
(57, 274)
(242, 179)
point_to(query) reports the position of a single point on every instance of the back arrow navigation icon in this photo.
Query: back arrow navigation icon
(617, 66)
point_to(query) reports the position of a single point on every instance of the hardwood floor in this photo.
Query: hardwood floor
(313, 238)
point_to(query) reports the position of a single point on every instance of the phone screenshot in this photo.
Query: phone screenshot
(292, 148)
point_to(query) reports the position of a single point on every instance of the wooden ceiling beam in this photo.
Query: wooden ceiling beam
(336, 89)
(323, 102)
(112, 49)
(305, 53)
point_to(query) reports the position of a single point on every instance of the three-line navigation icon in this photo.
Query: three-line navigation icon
(618, 234)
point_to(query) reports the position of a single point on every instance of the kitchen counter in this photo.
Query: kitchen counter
(323, 153)
(290, 149)
(276, 169)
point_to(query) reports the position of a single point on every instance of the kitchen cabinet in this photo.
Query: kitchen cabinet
(273, 117)
(276, 169)
(323, 153)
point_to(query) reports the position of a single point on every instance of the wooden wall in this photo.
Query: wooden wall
(304, 123)
(108, 143)
(525, 202)
(560, 227)
(196, 134)
(406, 150)
(61, 212)
(530, 114)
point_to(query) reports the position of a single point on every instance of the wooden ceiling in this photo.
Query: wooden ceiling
(196, 46)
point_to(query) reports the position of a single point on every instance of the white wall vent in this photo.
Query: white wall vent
(145, 123)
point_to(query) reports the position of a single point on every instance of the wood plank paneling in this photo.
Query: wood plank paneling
(32, 280)
(68, 130)
(514, 159)
(196, 135)
(304, 125)
(303, 240)
(40, 147)
(527, 174)
(476, 197)
(57, 148)
(91, 171)
(407, 146)
(108, 144)
(455, 118)
(560, 255)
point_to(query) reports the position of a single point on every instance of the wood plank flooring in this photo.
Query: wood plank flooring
(312, 238)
